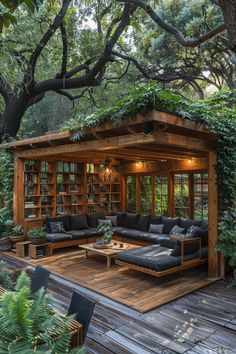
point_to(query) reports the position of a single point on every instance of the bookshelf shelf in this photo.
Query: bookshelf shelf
(60, 188)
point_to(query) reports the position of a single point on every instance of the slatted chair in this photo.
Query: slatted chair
(39, 279)
(82, 308)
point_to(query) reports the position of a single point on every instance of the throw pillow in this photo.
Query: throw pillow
(104, 222)
(78, 222)
(169, 223)
(176, 230)
(192, 231)
(57, 227)
(113, 219)
(143, 223)
(65, 219)
(157, 229)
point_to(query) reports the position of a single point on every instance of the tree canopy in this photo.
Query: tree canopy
(90, 53)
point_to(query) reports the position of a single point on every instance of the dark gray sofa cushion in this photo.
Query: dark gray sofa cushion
(131, 220)
(155, 219)
(186, 223)
(143, 223)
(154, 238)
(156, 228)
(65, 219)
(152, 257)
(120, 218)
(169, 223)
(58, 237)
(77, 234)
(129, 233)
(92, 219)
(204, 224)
(203, 233)
(169, 243)
(78, 222)
(92, 231)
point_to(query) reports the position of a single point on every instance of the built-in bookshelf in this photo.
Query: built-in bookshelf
(61, 188)
(102, 197)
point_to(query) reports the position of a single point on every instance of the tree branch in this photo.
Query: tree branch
(5, 89)
(29, 77)
(65, 49)
(173, 30)
(134, 61)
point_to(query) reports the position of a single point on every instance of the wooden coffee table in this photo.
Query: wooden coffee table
(109, 253)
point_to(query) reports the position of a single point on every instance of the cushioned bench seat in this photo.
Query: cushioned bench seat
(55, 237)
(156, 257)
(139, 235)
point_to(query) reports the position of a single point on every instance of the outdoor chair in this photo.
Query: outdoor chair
(39, 279)
(82, 308)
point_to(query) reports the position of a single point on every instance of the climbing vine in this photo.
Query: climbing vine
(218, 113)
(6, 189)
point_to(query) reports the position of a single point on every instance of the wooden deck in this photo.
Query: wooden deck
(136, 290)
(203, 322)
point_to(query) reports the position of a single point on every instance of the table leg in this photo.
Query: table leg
(108, 261)
(86, 254)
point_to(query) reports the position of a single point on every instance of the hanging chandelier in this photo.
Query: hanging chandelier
(107, 174)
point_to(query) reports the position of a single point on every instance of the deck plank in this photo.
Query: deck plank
(202, 322)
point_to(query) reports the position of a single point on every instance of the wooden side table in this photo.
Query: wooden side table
(22, 248)
(186, 241)
(44, 248)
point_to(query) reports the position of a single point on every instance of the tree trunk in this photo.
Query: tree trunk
(11, 118)
(228, 8)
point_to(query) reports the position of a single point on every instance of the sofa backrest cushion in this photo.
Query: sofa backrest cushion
(203, 233)
(143, 223)
(131, 220)
(186, 223)
(65, 219)
(204, 224)
(156, 228)
(120, 218)
(92, 219)
(169, 223)
(155, 219)
(78, 222)
(113, 219)
(104, 222)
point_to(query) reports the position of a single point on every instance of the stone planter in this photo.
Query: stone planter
(17, 238)
(38, 240)
(5, 244)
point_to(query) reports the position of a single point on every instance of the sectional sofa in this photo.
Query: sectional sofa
(160, 255)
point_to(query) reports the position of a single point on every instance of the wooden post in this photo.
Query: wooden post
(171, 195)
(213, 257)
(18, 192)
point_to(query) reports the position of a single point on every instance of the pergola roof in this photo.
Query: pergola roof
(182, 136)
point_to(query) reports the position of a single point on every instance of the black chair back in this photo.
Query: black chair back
(39, 279)
(82, 308)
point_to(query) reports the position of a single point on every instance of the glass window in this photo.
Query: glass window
(161, 195)
(181, 192)
(201, 196)
(145, 194)
(131, 194)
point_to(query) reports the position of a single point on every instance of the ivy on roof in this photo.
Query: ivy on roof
(218, 114)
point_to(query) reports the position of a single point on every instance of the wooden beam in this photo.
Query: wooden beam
(178, 122)
(161, 138)
(18, 192)
(213, 257)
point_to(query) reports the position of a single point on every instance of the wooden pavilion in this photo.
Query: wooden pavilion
(155, 156)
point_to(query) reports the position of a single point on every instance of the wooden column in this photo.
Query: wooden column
(191, 195)
(171, 195)
(213, 257)
(18, 192)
